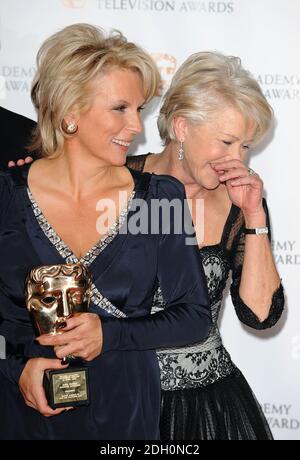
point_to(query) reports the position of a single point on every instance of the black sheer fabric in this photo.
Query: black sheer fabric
(204, 395)
(225, 410)
(236, 246)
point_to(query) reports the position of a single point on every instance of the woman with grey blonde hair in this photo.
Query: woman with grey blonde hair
(89, 90)
(212, 114)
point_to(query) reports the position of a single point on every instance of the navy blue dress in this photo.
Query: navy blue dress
(126, 269)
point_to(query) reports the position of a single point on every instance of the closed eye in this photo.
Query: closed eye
(245, 147)
(120, 108)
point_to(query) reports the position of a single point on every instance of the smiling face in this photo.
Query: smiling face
(228, 136)
(112, 121)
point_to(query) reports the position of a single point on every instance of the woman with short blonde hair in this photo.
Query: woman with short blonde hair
(206, 82)
(64, 80)
(89, 91)
(212, 114)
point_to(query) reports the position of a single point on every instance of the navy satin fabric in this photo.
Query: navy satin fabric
(124, 379)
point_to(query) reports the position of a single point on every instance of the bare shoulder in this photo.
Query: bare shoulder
(122, 179)
(38, 170)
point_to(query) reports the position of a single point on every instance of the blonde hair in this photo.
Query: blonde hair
(204, 84)
(67, 63)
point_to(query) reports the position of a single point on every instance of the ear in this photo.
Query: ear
(180, 128)
(72, 116)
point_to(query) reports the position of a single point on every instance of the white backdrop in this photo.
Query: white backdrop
(266, 35)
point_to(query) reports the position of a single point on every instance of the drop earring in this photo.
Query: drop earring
(181, 151)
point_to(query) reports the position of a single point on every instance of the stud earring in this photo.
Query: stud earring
(181, 151)
(69, 128)
(72, 128)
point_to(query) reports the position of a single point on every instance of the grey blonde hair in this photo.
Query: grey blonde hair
(204, 84)
(67, 63)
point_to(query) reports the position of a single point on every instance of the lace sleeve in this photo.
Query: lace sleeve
(136, 162)
(244, 313)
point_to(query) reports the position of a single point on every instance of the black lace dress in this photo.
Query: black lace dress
(204, 395)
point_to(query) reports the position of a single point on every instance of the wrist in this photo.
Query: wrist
(256, 231)
(257, 219)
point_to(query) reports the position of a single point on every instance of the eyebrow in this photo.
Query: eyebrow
(237, 138)
(122, 101)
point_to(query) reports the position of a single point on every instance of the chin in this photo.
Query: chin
(121, 162)
(212, 184)
(118, 161)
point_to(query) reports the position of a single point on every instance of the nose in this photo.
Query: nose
(236, 151)
(135, 124)
(64, 309)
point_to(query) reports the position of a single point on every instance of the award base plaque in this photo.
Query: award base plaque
(67, 387)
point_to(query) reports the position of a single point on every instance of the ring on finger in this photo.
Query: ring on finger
(251, 172)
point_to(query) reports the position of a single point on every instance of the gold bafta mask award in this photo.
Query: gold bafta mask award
(54, 293)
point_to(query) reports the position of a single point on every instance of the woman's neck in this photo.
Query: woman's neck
(167, 162)
(77, 176)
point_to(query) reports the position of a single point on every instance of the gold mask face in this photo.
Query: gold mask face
(56, 292)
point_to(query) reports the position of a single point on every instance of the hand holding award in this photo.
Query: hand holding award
(55, 293)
